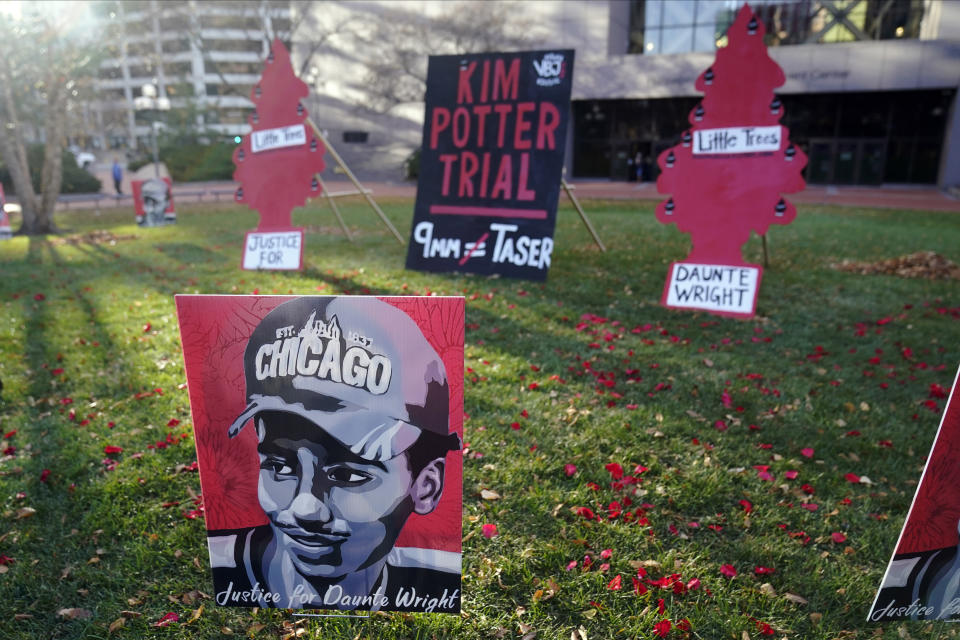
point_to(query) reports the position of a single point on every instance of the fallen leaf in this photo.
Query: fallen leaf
(25, 512)
(767, 589)
(116, 624)
(794, 598)
(75, 614)
(196, 615)
(488, 494)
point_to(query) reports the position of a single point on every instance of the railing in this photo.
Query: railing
(96, 200)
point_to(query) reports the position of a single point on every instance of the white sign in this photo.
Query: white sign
(267, 139)
(277, 250)
(713, 287)
(736, 140)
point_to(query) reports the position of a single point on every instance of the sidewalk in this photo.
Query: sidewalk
(922, 198)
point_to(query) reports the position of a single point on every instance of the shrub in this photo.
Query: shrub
(411, 166)
(75, 179)
(189, 161)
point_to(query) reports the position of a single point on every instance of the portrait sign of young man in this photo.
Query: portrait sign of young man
(922, 580)
(153, 202)
(353, 437)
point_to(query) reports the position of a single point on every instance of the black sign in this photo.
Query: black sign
(494, 134)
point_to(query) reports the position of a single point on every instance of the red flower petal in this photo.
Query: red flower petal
(728, 570)
(569, 469)
(838, 537)
(489, 530)
(662, 628)
(111, 448)
(807, 452)
(615, 584)
(167, 619)
(616, 471)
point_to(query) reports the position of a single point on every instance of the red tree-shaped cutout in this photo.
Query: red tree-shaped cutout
(721, 190)
(276, 163)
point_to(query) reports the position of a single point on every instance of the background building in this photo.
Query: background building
(871, 86)
(204, 57)
(870, 95)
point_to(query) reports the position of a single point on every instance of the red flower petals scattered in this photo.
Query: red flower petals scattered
(728, 570)
(569, 469)
(489, 530)
(807, 452)
(615, 584)
(763, 571)
(838, 537)
(111, 448)
(747, 506)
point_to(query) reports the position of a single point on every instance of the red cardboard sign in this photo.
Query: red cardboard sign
(922, 581)
(328, 433)
(277, 161)
(153, 202)
(727, 174)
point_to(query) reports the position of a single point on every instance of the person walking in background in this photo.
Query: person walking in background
(117, 176)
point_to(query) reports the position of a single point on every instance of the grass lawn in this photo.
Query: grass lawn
(834, 376)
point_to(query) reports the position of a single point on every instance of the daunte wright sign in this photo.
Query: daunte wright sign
(490, 169)
(328, 434)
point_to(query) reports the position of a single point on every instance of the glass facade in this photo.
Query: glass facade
(683, 26)
(850, 138)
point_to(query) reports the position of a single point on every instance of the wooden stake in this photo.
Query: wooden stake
(356, 183)
(333, 205)
(583, 216)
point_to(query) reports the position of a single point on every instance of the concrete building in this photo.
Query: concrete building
(204, 57)
(871, 91)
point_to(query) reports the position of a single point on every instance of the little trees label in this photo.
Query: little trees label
(736, 140)
(278, 138)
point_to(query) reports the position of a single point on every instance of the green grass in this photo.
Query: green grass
(101, 539)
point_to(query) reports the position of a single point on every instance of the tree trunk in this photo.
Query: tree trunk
(13, 148)
(51, 179)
